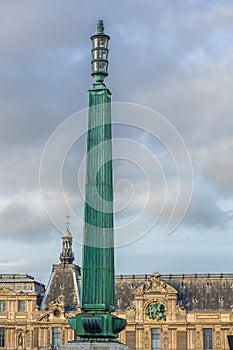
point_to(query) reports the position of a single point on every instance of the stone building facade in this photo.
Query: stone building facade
(169, 312)
(20, 297)
(32, 317)
(24, 326)
(176, 311)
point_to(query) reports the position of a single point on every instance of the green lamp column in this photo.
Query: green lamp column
(98, 283)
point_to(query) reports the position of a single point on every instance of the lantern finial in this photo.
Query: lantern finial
(100, 53)
(100, 26)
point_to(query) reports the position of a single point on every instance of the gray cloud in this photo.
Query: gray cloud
(173, 56)
(217, 166)
(22, 220)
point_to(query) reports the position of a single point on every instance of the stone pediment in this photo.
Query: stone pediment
(56, 308)
(57, 304)
(6, 291)
(43, 317)
(155, 285)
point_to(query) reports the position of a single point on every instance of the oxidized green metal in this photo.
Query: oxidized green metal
(99, 53)
(98, 252)
(156, 311)
(99, 326)
(98, 283)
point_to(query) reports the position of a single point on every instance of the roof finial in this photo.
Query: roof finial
(100, 26)
(67, 221)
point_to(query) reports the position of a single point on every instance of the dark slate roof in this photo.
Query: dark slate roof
(63, 282)
(21, 282)
(203, 291)
(125, 286)
(195, 291)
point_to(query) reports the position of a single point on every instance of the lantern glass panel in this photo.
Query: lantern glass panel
(103, 42)
(100, 54)
(94, 67)
(94, 55)
(99, 67)
(95, 42)
(102, 67)
(103, 54)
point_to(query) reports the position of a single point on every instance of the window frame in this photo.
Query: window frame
(2, 305)
(155, 338)
(2, 337)
(207, 338)
(21, 305)
(56, 337)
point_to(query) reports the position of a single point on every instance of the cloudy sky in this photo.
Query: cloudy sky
(173, 57)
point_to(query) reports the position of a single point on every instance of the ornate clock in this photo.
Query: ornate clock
(155, 311)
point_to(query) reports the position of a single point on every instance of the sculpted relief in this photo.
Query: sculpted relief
(155, 311)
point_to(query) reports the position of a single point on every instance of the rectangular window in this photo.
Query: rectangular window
(56, 334)
(207, 338)
(36, 337)
(21, 305)
(155, 338)
(2, 337)
(2, 305)
(181, 340)
(130, 339)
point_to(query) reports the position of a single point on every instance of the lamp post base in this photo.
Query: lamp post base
(76, 345)
(97, 326)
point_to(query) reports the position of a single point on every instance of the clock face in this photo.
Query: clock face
(155, 311)
(56, 313)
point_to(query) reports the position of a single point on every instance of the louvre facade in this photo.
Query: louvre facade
(172, 312)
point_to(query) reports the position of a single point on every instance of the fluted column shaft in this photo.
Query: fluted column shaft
(98, 292)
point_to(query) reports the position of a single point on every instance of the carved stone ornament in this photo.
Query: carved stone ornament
(218, 341)
(179, 308)
(130, 308)
(130, 313)
(57, 304)
(146, 340)
(155, 284)
(43, 317)
(165, 340)
(6, 291)
(198, 340)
